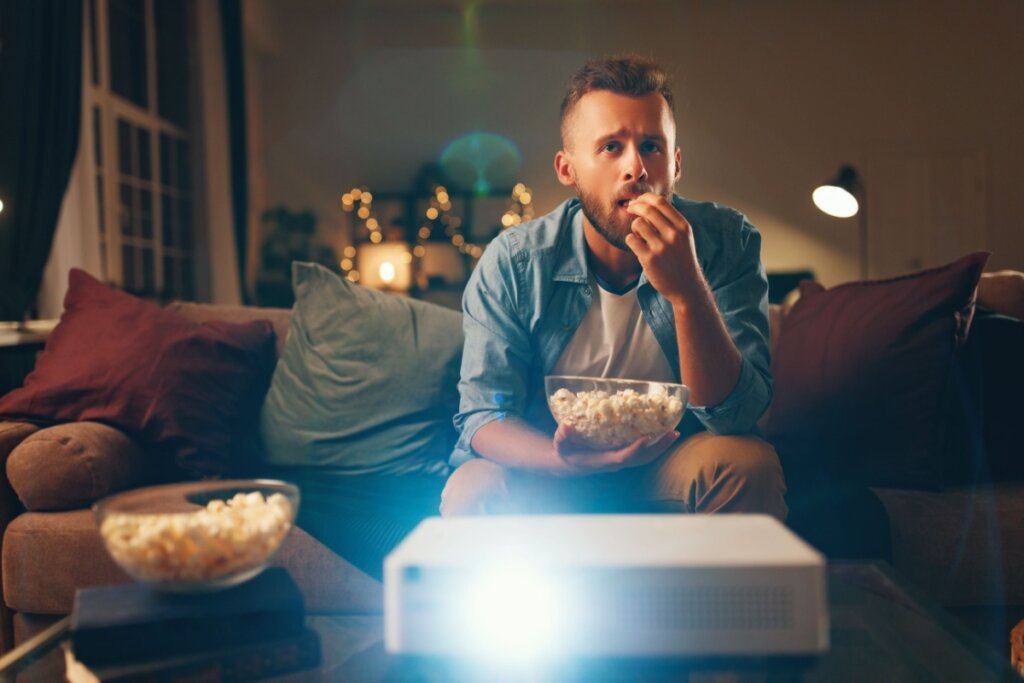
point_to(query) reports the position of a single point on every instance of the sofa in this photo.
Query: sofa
(961, 543)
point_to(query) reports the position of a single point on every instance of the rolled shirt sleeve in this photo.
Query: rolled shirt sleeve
(497, 354)
(741, 293)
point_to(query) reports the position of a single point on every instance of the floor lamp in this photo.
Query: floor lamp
(843, 197)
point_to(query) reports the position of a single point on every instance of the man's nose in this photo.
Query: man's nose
(633, 169)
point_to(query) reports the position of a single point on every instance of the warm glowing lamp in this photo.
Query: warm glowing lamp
(387, 273)
(385, 265)
(844, 197)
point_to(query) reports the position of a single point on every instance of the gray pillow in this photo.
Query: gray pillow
(367, 381)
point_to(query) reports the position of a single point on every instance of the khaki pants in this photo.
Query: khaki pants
(702, 473)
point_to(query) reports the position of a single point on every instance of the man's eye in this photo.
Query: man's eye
(611, 147)
(650, 147)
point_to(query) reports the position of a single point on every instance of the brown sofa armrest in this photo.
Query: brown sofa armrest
(11, 434)
(72, 465)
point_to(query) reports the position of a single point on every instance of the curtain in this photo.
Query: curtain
(40, 111)
(234, 56)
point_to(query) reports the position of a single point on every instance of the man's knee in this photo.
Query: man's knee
(477, 487)
(746, 457)
(725, 473)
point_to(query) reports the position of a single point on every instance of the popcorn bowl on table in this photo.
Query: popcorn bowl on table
(200, 536)
(608, 414)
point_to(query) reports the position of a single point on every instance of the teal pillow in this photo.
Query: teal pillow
(367, 382)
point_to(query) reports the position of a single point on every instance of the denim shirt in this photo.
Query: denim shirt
(532, 287)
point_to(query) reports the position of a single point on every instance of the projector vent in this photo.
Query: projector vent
(755, 608)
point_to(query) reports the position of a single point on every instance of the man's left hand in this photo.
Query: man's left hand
(662, 240)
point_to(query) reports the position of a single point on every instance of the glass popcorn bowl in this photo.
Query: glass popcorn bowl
(608, 414)
(197, 537)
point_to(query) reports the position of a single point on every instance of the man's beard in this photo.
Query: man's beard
(605, 218)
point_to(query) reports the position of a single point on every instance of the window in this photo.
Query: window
(139, 95)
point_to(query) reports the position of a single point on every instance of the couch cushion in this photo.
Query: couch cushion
(1002, 292)
(47, 555)
(186, 389)
(13, 433)
(964, 546)
(71, 465)
(866, 377)
(367, 381)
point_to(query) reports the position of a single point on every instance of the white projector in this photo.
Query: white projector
(662, 586)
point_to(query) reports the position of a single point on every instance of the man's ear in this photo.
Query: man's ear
(679, 164)
(564, 169)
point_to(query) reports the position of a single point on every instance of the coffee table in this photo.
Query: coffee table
(881, 628)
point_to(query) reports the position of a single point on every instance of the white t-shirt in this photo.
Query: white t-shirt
(614, 341)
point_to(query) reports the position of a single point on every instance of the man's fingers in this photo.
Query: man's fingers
(585, 461)
(646, 232)
(667, 438)
(637, 245)
(606, 461)
(630, 450)
(655, 449)
(656, 215)
(565, 438)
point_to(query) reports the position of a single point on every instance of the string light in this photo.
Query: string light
(438, 221)
(360, 201)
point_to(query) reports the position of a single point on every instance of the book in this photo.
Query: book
(132, 622)
(235, 664)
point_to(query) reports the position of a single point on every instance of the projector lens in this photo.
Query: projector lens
(510, 613)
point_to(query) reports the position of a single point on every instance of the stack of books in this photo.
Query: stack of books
(132, 633)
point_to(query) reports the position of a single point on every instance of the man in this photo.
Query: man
(628, 281)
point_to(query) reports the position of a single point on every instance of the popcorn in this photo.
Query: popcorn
(222, 539)
(609, 421)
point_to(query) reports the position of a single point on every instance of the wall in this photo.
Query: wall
(773, 96)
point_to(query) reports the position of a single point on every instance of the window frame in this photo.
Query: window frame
(112, 108)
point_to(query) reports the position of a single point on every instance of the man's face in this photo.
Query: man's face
(617, 148)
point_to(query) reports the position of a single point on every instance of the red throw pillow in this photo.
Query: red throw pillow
(866, 375)
(187, 389)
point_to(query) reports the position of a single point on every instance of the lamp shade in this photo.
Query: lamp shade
(385, 265)
(838, 197)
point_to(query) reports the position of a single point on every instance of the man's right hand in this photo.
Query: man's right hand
(580, 460)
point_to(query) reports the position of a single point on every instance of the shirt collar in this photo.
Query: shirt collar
(571, 252)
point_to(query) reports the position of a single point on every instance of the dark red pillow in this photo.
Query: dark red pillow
(190, 390)
(867, 380)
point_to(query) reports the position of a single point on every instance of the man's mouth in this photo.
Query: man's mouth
(624, 202)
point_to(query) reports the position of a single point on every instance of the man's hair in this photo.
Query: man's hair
(629, 75)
